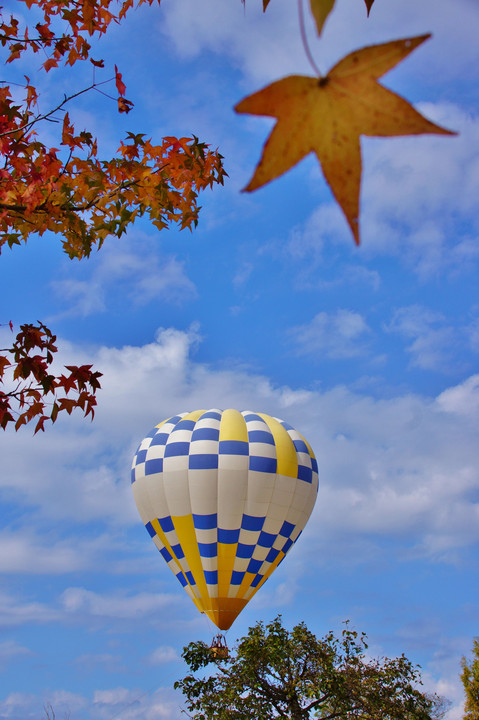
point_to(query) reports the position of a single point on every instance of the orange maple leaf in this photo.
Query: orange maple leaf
(124, 105)
(328, 115)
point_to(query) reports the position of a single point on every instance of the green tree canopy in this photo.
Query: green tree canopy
(274, 673)
(470, 680)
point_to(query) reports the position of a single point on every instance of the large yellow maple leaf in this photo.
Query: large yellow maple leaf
(328, 115)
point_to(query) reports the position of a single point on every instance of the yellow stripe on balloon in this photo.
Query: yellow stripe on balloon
(285, 451)
(185, 531)
(310, 449)
(195, 415)
(233, 426)
(245, 584)
(226, 560)
(163, 422)
(157, 527)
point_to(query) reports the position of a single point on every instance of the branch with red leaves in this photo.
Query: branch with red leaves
(69, 191)
(30, 392)
(85, 199)
(81, 21)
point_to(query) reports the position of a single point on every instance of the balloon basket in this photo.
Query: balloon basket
(218, 648)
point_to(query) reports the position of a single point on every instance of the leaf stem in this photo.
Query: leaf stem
(304, 38)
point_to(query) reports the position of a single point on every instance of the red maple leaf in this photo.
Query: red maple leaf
(120, 85)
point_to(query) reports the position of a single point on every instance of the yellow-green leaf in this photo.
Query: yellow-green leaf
(321, 10)
(327, 116)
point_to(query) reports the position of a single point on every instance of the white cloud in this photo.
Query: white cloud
(63, 703)
(419, 195)
(132, 703)
(163, 655)
(9, 650)
(462, 399)
(442, 674)
(114, 604)
(78, 605)
(15, 612)
(243, 274)
(337, 335)
(135, 265)
(135, 704)
(402, 466)
(19, 706)
(266, 46)
(105, 661)
(418, 203)
(432, 340)
(307, 243)
(29, 553)
(397, 467)
(258, 43)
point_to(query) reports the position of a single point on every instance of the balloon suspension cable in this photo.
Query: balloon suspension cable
(209, 624)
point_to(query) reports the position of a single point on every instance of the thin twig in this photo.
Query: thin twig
(47, 115)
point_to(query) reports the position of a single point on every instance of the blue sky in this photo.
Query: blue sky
(370, 352)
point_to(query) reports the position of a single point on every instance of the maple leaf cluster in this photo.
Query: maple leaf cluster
(68, 190)
(78, 20)
(26, 381)
(84, 199)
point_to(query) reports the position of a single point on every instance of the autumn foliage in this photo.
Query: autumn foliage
(31, 391)
(78, 21)
(70, 191)
(84, 199)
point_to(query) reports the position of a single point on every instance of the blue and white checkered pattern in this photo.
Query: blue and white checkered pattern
(224, 495)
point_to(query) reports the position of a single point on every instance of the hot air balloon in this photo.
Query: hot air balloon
(224, 496)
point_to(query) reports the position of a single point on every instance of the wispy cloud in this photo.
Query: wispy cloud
(14, 612)
(80, 601)
(418, 206)
(163, 655)
(132, 267)
(385, 465)
(338, 335)
(433, 340)
(10, 650)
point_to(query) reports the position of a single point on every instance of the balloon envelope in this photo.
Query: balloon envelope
(224, 496)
